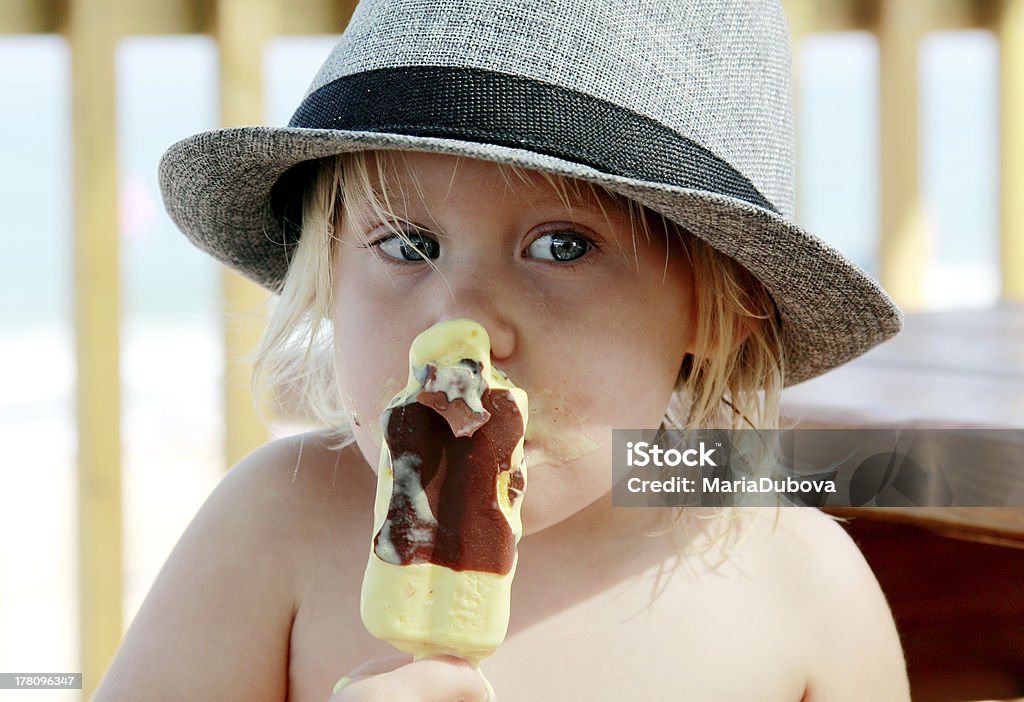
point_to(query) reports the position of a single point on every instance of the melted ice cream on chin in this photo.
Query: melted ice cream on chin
(556, 427)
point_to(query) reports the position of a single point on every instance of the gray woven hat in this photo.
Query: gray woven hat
(681, 105)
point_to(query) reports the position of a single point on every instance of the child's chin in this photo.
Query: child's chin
(538, 520)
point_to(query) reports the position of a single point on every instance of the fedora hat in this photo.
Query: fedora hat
(682, 105)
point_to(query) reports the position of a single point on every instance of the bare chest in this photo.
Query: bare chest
(656, 635)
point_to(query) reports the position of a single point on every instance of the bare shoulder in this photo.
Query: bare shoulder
(284, 494)
(856, 652)
(217, 622)
(307, 478)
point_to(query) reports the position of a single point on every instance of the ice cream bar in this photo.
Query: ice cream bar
(449, 491)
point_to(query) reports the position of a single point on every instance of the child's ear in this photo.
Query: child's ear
(742, 328)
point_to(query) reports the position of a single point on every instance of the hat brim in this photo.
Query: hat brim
(217, 187)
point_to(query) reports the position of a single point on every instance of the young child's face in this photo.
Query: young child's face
(592, 322)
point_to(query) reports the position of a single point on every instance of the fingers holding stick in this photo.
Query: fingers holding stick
(398, 678)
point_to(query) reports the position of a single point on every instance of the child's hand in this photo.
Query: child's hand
(399, 679)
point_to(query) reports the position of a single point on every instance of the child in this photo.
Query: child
(604, 186)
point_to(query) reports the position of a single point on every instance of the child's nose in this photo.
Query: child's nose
(486, 303)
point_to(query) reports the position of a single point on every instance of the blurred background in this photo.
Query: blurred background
(122, 397)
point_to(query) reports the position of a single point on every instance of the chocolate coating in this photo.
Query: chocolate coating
(458, 475)
(464, 381)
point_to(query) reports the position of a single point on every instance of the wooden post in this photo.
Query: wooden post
(92, 32)
(1011, 116)
(903, 248)
(242, 28)
(28, 16)
(316, 17)
(801, 15)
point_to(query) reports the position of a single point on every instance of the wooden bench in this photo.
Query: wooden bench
(954, 576)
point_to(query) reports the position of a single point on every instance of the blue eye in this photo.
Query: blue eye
(560, 246)
(422, 248)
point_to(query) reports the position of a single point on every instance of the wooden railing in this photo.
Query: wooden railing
(92, 29)
(240, 27)
(899, 25)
